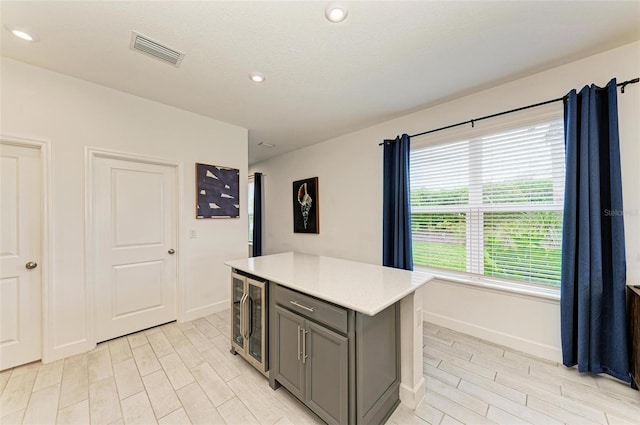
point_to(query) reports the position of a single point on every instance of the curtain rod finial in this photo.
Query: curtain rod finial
(626, 83)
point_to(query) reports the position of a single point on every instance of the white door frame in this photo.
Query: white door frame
(46, 324)
(90, 156)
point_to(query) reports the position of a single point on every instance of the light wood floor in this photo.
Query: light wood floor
(184, 373)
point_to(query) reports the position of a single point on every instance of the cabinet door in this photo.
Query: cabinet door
(237, 312)
(327, 373)
(287, 364)
(256, 329)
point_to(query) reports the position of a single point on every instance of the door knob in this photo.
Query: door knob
(172, 251)
(31, 265)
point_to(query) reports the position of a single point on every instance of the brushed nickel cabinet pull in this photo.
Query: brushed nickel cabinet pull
(297, 304)
(299, 329)
(304, 346)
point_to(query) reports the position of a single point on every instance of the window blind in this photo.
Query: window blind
(491, 204)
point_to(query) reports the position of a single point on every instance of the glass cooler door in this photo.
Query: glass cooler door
(256, 304)
(237, 311)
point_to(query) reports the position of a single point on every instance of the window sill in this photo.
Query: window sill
(493, 284)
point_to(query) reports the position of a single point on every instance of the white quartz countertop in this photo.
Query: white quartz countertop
(365, 288)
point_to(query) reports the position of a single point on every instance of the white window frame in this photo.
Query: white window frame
(250, 212)
(475, 226)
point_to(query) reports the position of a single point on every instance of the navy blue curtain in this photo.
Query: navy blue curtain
(257, 214)
(396, 212)
(593, 310)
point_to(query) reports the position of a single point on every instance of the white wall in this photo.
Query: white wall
(71, 115)
(350, 198)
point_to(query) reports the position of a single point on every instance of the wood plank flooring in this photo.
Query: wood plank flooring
(184, 374)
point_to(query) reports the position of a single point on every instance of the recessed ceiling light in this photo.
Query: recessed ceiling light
(23, 34)
(336, 12)
(266, 145)
(257, 77)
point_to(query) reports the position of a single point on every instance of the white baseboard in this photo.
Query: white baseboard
(411, 397)
(199, 312)
(514, 342)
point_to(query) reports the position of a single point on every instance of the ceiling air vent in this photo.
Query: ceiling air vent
(149, 47)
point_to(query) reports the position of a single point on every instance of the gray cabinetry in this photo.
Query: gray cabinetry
(287, 363)
(327, 367)
(343, 365)
(311, 361)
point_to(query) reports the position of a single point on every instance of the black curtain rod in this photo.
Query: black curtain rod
(473, 121)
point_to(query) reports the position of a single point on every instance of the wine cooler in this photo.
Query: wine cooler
(249, 320)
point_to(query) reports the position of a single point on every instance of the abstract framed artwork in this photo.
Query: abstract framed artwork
(305, 206)
(217, 191)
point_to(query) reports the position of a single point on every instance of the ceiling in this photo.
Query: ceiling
(388, 58)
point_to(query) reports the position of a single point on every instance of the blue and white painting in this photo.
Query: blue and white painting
(218, 191)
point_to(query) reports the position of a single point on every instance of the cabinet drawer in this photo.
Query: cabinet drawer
(313, 308)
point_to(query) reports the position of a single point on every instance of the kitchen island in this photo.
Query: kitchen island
(344, 337)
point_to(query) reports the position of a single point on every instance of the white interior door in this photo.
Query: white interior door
(20, 278)
(134, 216)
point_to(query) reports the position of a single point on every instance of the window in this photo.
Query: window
(250, 208)
(491, 204)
